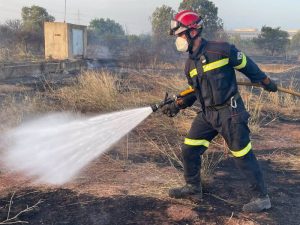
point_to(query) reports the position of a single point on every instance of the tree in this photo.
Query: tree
(272, 40)
(11, 32)
(33, 19)
(209, 12)
(295, 43)
(106, 27)
(108, 33)
(160, 21)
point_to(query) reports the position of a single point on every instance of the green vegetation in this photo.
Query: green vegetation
(272, 40)
(160, 21)
(105, 27)
(24, 38)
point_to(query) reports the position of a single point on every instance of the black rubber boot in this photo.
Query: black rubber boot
(191, 166)
(189, 191)
(192, 163)
(250, 168)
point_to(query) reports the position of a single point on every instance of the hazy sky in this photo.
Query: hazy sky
(134, 14)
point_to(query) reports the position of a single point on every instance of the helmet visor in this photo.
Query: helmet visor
(174, 26)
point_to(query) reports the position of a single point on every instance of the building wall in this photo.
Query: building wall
(56, 41)
(59, 40)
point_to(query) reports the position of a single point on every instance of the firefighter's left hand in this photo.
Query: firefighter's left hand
(171, 109)
(270, 85)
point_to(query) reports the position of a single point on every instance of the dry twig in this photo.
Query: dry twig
(15, 219)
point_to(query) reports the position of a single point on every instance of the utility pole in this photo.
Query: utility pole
(78, 16)
(65, 11)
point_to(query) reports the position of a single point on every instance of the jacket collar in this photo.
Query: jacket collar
(199, 51)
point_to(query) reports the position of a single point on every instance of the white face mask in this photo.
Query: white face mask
(181, 44)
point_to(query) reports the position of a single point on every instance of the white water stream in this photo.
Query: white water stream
(54, 148)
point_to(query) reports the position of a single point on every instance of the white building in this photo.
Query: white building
(250, 33)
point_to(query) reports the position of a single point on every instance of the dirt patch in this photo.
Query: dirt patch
(138, 195)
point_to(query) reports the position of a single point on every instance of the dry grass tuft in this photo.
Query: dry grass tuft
(93, 92)
(277, 68)
(254, 104)
(285, 103)
(264, 106)
(15, 109)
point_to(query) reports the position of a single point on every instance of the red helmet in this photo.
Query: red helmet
(185, 20)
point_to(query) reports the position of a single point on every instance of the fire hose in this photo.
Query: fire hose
(281, 89)
(168, 100)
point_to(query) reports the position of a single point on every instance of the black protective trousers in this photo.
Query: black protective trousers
(232, 124)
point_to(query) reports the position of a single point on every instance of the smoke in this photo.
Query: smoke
(54, 148)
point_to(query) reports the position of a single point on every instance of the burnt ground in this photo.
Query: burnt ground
(112, 191)
(129, 185)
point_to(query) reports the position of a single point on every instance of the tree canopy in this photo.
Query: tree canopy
(105, 27)
(272, 40)
(295, 43)
(160, 21)
(209, 12)
(33, 18)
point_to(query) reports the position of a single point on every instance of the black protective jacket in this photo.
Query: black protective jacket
(210, 71)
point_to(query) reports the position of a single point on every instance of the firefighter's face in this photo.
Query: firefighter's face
(181, 43)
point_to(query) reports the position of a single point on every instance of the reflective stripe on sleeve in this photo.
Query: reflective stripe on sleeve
(243, 64)
(243, 151)
(215, 65)
(193, 73)
(193, 142)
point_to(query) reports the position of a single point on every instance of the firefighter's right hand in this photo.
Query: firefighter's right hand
(171, 109)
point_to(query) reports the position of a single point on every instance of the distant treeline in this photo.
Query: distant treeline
(24, 39)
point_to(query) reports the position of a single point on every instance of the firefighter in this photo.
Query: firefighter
(210, 71)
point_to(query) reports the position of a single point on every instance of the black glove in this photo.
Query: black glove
(270, 87)
(186, 101)
(171, 109)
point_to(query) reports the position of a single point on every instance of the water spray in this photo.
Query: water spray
(54, 148)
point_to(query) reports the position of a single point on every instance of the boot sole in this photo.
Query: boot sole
(193, 198)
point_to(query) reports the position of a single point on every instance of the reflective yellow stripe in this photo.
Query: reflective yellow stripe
(242, 152)
(193, 142)
(193, 73)
(216, 64)
(243, 64)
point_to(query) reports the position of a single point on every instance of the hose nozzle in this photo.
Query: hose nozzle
(166, 101)
(154, 107)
